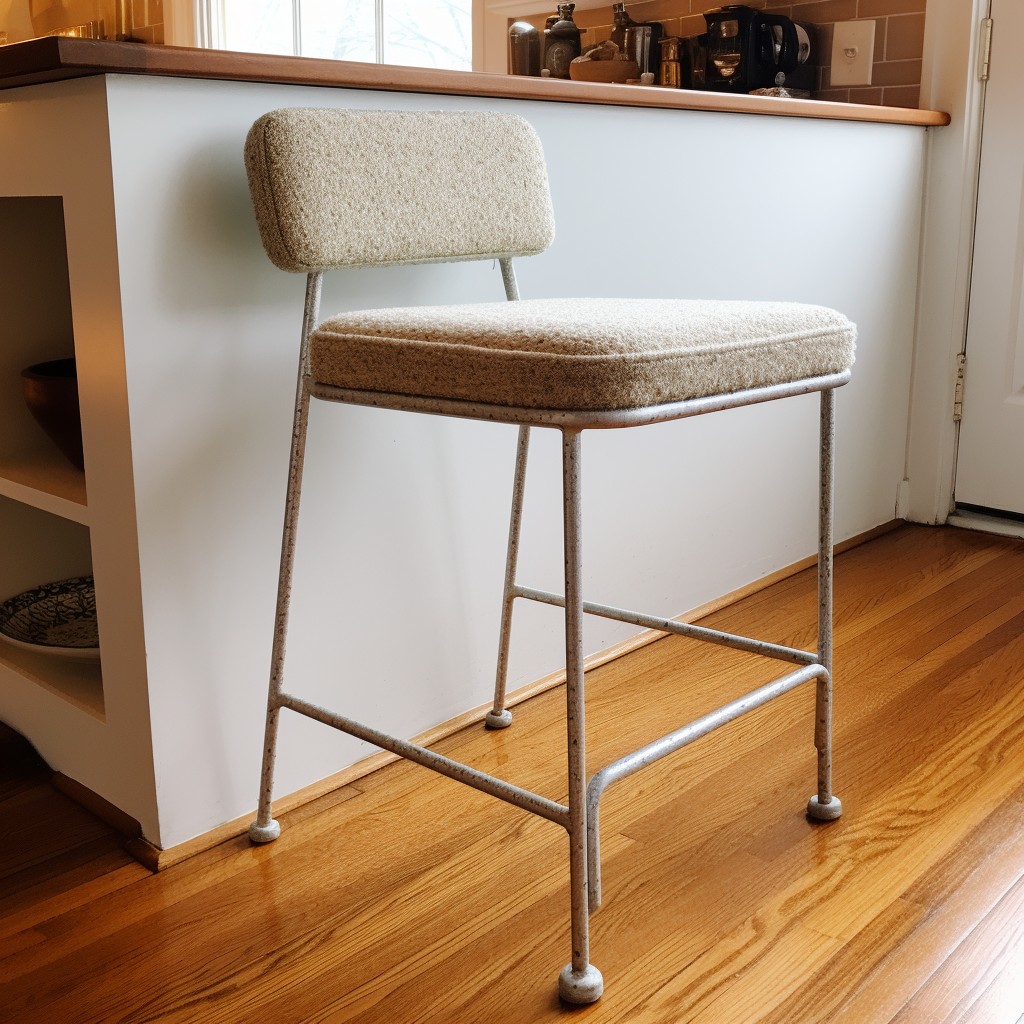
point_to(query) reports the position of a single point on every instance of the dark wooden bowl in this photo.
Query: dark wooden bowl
(51, 394)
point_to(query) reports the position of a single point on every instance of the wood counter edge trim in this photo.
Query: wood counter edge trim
(57, 57)
(158, 860)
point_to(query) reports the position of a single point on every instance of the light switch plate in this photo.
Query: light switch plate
(853, 50)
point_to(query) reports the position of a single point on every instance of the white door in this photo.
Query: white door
(990, 463)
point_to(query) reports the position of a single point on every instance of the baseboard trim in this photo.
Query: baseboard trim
(158, 860)
(978, 521)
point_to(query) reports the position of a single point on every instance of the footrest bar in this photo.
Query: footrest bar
(687, 629)
(522, 798)
(669, 744)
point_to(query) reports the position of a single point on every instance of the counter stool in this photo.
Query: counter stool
(341, 188)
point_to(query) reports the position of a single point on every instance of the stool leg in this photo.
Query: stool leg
(825, 805)
(265, 829)
(580, 981)
(499, 717)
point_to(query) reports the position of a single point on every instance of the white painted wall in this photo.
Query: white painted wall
(412, 511)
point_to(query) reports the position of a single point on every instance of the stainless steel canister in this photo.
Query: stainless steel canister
(523, 49)
(670, 74)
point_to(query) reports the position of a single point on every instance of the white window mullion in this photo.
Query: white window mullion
(297, 27)
(378, 28)
(209, 23)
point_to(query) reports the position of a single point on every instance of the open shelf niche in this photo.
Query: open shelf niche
(44, 514)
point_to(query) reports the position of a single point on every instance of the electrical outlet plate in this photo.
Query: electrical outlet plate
(853, 51)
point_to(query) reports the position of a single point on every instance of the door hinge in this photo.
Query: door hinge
(986, 49)
(958, 390)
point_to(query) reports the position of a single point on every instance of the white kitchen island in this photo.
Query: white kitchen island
(127, 239)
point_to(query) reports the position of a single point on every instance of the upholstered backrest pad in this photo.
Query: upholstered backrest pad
(342, 188)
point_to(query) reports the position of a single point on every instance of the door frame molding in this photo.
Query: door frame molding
(950, 82)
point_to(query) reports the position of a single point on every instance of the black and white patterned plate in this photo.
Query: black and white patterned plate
(56, 618)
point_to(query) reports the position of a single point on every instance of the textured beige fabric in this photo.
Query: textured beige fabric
(336, 188)
(583, 354)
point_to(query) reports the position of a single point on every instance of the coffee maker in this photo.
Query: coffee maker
(748, 49)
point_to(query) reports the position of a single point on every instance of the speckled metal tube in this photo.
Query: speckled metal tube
(265, 829)
(825, 805)
(663, 625)
(499, 717)
(674, 741)
(455, 770)
(579, 981)
(597, 419)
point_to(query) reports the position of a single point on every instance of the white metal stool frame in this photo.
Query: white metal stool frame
(580, 981)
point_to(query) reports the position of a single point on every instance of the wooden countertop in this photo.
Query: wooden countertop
(55, 58)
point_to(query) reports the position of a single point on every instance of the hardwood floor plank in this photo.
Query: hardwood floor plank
(984, 974)
(958, 892)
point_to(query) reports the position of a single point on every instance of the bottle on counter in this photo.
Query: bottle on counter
(561, 43)
(622, 22)
(523, 49)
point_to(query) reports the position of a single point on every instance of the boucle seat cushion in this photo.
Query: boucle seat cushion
(580, 354)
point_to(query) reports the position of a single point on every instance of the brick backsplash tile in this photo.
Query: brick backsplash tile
(591, 18)
(694, 25)
(881, 35)
(896, 72)
(881, 8)
(657, 10)
(866, 94)
(838, 95)
(821, 45)
(149, 33)
(825, 11)
(902, 96)
(905, 37)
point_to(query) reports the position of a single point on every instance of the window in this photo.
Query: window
(420, 33)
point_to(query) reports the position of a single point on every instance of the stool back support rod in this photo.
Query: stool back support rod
(508, 277)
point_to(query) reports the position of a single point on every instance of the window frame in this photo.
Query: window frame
(200, 23)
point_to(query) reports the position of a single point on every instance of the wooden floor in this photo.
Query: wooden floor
(405, 898)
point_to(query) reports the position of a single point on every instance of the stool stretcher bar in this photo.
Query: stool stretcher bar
(542, 806)
(687, 629)
(655, 751)
(588, 419)
(456, 770)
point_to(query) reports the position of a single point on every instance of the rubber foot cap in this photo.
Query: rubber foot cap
(824, 812)
(501, 720)
(585, 987)
(264, 833)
